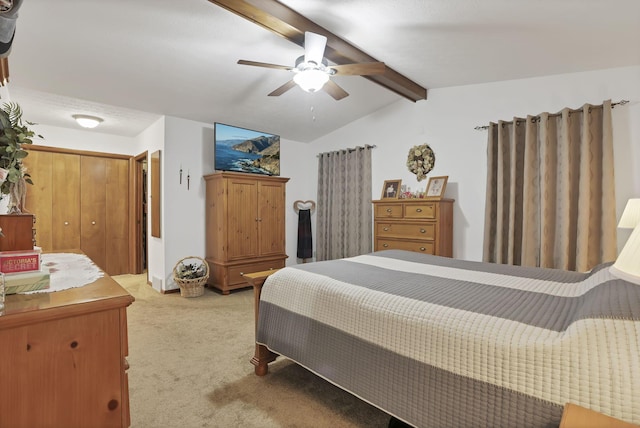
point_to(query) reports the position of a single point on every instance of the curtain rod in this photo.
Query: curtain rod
(366, 146)
(485, 127)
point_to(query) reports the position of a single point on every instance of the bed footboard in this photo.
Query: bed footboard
(262, 356)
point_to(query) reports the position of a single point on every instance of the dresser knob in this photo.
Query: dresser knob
(423, 231)
(418, 210)
(113, 404)
(66, 223)
(422, 249)
(385, 245)
(388, 210)
(93, 222)
(386, 229)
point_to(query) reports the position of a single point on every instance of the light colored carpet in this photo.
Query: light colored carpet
(189, 367)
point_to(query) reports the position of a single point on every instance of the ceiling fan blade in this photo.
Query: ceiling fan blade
(334, 90)
(314, 45)
(282, 89)
(264, 64)
(359, 69)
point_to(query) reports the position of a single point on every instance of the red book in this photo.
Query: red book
(19, 261)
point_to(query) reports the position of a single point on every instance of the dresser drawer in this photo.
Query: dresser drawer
(421, 210)
(388, 211)
(424, 230)
(426, 247)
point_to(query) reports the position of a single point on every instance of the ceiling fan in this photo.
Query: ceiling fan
(312, 71)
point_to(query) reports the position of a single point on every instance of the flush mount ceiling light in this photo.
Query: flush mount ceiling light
(87, 121)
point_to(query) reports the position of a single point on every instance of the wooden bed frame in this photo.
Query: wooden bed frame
(262, 356)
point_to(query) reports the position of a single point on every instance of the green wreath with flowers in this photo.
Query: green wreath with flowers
(421, 160)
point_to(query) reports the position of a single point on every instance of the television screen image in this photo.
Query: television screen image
(244, 150)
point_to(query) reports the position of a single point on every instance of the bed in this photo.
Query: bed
(439, 342)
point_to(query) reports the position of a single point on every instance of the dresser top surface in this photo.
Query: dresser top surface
(102, 294)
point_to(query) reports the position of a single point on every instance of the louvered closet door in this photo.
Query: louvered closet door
(93, 208)
(65, 215)
(40, 196)
(242, 218)
(271, 227)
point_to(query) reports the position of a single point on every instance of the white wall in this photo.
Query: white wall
(446, 122)
(150, 140)
(190, 145)
(79, 139)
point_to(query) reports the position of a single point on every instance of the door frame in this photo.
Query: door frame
(136, 213)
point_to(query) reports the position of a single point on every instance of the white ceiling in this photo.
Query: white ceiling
(132, 61)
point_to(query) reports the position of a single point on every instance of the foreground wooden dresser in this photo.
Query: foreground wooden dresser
(414, 225)
(62, 358)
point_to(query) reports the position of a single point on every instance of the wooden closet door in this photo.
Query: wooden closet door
(242, 218)
(93, 172)
(65, 213)
(117, 217)
(271, 227)
(40, 196)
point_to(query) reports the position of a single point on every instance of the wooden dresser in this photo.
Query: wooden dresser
(63, 358)
(245, 226)
(414, 225)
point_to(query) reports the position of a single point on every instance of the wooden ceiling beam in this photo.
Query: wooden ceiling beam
(287, 23)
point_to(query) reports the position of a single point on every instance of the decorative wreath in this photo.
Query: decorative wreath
(421, 160)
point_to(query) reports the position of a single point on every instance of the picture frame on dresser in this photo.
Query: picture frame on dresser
(436, 187)
(391, 189)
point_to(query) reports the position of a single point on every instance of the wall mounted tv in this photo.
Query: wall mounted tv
(245, 150)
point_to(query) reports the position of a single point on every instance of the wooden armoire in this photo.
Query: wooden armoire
(81, 201)
(245, 226)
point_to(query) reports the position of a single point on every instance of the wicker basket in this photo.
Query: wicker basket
(191, 287)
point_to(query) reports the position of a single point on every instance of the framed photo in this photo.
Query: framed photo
(435, 187)
(391, 189)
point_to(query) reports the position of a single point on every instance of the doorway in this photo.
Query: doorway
(140, 253)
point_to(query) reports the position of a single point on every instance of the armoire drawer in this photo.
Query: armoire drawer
(388, 211)
(236, 272)
(425, 230)
(426, 247)
(421, 211)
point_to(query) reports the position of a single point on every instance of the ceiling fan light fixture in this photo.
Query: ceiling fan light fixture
(87, 121)
(311, 80)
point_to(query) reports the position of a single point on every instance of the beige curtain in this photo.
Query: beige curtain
(550, 190)
(344, 225)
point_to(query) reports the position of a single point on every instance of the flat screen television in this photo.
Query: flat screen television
(245, 150)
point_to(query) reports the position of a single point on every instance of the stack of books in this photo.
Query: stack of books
(23, 271)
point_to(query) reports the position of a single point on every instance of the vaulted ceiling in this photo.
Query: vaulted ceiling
(132, 61)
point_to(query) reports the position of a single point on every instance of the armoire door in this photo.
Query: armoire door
(65, 216)
(242, 219)
(271, 226)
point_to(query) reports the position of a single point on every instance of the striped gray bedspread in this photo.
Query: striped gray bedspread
(439, 342)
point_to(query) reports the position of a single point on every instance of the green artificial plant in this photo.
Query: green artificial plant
(14, 133)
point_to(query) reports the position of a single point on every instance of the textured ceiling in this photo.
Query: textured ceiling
(131, 62)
